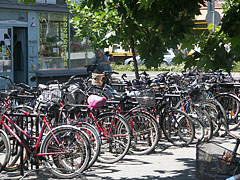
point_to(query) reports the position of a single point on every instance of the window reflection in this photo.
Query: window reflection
(81, 52)
(53, 50)
(5, 50)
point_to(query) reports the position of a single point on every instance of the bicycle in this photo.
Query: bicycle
(64, 150)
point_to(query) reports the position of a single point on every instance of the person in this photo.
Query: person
(107, 53)
(102, 62)
(109, 56)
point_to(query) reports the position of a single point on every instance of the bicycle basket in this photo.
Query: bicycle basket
(215, 162)
(97, 79)
(224, 87)
(197, 95)
(145, 98)
(52, 95)
(74, 97)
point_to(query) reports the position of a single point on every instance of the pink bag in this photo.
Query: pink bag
(96, 102)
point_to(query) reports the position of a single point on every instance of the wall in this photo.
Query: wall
(32, 45)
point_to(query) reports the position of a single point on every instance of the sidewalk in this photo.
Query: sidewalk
(168, 162)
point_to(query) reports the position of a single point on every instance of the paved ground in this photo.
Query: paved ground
(167, 162)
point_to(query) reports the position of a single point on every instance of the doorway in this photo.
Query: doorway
(20, 58)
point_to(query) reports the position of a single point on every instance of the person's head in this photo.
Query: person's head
(99, 53)
(107, 53)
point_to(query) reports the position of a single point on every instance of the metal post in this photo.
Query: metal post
(21, 150)
(213, 12)
(37, 134)
(211, 9)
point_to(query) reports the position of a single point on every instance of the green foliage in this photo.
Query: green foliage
(214, 52)
(236, 67)
(26, 2)
(128, 68)
(155, 25)
(231, 18)
(220, 49)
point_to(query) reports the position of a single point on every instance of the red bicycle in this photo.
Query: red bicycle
(65, 150)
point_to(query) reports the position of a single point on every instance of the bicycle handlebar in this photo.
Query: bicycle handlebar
(7, 78)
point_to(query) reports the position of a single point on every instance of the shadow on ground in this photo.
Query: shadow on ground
(41, 174)
(185, 174)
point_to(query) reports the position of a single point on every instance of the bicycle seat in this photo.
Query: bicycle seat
(96, 102)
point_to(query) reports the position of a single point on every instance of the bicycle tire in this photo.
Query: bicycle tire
(198, 125)
(217, 114)
(205, 119)
(95, 149)
(145, 132)
(66, 132)
(231, 104)
(4, 149)
(172, 129)
(13, 164)
(116, 145)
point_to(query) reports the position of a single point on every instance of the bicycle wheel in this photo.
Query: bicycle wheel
(198, 125)
(71, 156)
(216, 113)
(95, 141)
(199, 128)
(206, 121)
(116, 137)
(14, 160)
(91, 133)
(145, 132)
(177, 127)
(230, 103)
(4, 150)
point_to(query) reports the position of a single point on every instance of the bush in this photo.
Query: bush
(126, 68)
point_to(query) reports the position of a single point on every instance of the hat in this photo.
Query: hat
(99, 50)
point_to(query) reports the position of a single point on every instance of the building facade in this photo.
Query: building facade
(39, 40)
(200, 20)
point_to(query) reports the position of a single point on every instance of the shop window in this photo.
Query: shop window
(58, 2)
(81, 52)
(53, 50)
(7, 15)
(5, 50)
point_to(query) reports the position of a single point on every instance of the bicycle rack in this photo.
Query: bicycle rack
(30, 122)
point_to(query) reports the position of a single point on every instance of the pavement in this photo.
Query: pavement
(167, 162)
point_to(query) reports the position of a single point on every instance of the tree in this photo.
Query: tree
(26, 2)
(218, 50)
(148, 26)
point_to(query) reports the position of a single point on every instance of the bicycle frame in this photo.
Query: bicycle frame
(106, 133)
(45, 124)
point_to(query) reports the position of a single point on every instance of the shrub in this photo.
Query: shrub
(126, 68)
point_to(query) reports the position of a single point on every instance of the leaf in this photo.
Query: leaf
(26, 2)
(178, 59)
(210, 27)
(202, 62)
(235, 41)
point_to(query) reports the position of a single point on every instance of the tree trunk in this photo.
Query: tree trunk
(134, 58)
